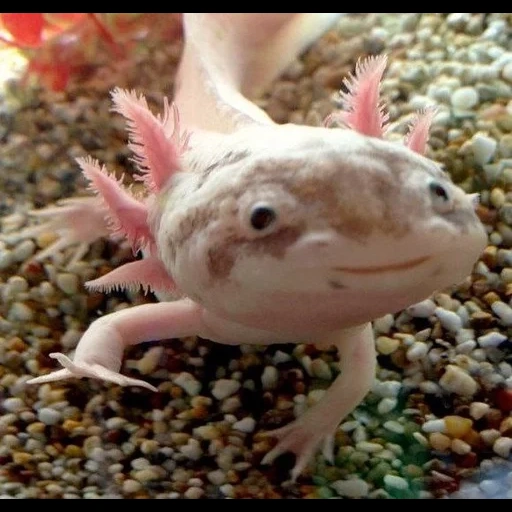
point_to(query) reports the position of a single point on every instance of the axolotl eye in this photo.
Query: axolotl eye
(262, 216)
(440, 196)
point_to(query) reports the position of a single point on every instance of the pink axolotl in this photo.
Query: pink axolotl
(259, 233)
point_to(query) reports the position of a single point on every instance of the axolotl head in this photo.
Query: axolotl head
(294, 215)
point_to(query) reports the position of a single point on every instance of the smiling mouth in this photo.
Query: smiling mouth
(406, 265)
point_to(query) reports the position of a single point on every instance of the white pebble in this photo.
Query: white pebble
(246, 425)
(131, 486)
(320, 369)
(489, 487)
(49, 416)
(20, 312)
(418, 350)
(449, 320)
(503, 311)
(224, 388)
(217, 477)
(483, 147)
(394, 426)
(490, 436)
(464, 98)
(477, 410)
(228, 490)
(188, 383)
(396, 482)
(432, 426)
(502, 447)
(383, 324)
(422, 309)
(368, 447)
(281, 357)
(455, 380)
(269, 377)
(507, 72)
(491, 339)
(192, 450)
(352, 488)
(386, 405)
(387, 388)
(24, 250)
(460, 447)
(13, 404)
(68, 283)
(194, 493)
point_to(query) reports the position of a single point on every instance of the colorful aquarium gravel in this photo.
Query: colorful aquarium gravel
(437, 422)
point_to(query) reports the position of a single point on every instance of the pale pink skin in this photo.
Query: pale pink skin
(264, 299)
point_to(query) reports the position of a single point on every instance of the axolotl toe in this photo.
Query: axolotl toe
(261, 233)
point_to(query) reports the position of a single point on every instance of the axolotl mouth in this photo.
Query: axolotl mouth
(394, 267)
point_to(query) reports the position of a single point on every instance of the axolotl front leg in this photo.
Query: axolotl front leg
(356, 350)
(100, 352)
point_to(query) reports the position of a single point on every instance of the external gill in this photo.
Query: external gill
(364, 111)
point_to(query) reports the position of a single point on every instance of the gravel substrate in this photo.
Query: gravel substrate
(437, 422)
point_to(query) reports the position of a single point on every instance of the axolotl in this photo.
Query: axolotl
(258, 233)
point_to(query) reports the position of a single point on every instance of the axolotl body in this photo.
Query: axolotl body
(259, 233)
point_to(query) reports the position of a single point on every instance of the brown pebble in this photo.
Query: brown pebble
(21, 458)
(439, 441)
(506, 427)
(491, 297)
(493, 418)
(16, 344)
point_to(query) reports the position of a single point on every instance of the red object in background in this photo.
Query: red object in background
(26, 29)
(63, 46)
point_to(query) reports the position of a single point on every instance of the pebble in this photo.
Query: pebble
(351, 488)
(455, 380)
(321, 369)
(20, 312)
(477, 410)
(269, 377)
(148, 363)
(394, 426)
(460, 447)
(397, 482)
(491, 339)
(217, 477)
(503, 311)
(188, 383)
(194, 493)
(13, 404)
(246, 425)
(464, 98)
(431, 426)
(457, 426)
(439, 441)
(506, 72)
(49, 416)
(224, 388)
(386, 405)
(146, 475)
(68, 283)
(502, 447)
(483, 147)
(417, 351)
(386, 345)
(449, 320)
(422, 309)
(131, 486)
(489, 487)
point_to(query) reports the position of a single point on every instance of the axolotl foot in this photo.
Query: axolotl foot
(318, 424)
(302, 438)
(82, 369)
